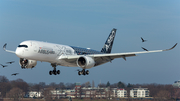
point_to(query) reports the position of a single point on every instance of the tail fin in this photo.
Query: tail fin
(109, 42)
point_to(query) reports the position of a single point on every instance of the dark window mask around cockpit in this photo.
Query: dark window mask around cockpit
(23, 46)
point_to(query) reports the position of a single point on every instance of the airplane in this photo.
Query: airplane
(31, 51)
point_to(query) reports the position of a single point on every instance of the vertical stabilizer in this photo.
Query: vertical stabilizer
(109, 42)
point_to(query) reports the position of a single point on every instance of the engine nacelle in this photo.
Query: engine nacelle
(25, 63)
(85, 62)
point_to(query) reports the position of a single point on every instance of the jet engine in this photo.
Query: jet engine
(25, 63)
(85, 62)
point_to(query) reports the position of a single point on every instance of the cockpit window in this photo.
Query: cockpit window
(23, 46)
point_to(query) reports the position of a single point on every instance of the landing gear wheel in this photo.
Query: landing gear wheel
(79, 72)
(83, 72)
(54, 71)
(58, 71)
(50, 72)
(87, 72)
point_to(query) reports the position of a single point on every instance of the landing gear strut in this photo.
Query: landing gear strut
(54, 71)
(83, 72)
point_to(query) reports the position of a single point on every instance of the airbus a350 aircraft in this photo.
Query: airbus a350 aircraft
(31, 51)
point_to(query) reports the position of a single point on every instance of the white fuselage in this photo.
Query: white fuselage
(43, 51)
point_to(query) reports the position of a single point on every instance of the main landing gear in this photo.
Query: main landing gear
(83, 72)
(54, 71)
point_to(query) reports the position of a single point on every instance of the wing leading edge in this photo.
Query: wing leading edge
(103, 58)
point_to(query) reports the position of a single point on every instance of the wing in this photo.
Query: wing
(4, 47)
(103, 58)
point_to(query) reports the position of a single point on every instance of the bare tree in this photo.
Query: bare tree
(15, 93)
(42, 84)
(114, 85)
(153, 88)
(62, 86)
(87, 84)
(3, 79)
(47, 94)
(176, 93)
(53, 85)
(70, 85)
(19, 83)
(4, 88)
(37, 87)
(162, 95)
(83, 85)
(170, 89)
(102, 85)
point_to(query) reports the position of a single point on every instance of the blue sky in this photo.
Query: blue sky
(87, 24)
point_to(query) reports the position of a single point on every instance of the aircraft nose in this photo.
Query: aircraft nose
(18, 52)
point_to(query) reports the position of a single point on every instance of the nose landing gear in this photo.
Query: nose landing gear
(54, 71)
(83, 72)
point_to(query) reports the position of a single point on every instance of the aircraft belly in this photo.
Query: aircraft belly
(41, 57)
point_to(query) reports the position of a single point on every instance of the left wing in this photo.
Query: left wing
(103, 58)
(4, 47)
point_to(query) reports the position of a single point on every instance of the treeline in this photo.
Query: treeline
(156, 90)
(8, 87)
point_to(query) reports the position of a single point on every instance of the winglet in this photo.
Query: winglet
(171, 48)
(4, 47)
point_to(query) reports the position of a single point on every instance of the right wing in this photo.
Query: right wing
(103, 58)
